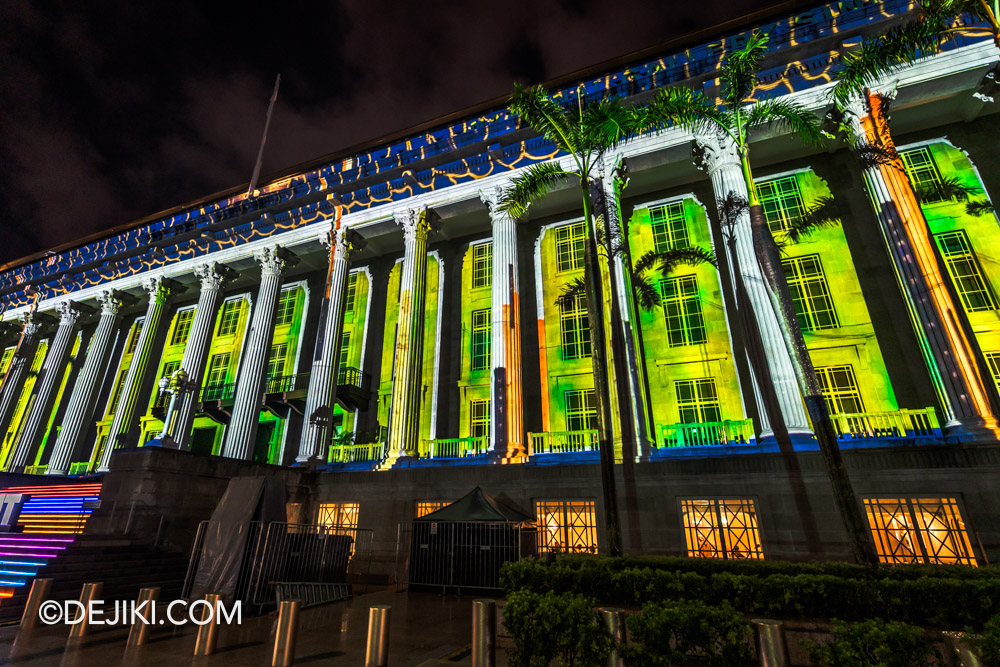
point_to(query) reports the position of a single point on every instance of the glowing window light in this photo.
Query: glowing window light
(919, 530)
(343, 517)
(993, 359)
(922, 172)
(781, 201)
(698, 401)
(479, 418)
(568, 526)
(575, 329)
(482, 265)
(571, 242)
(669, 227)
(721, 528)
(682, 311)
(481, 339)
(182, 327)
(810, 293)
(965, 272)
(425, 507)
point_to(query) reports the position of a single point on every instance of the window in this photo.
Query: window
(810, 293)
(230, 317)
(963, 267)
(919, 530)
(117, 391)
(425, 507)
(568, 526)
(840, 389)
(482, 265)
(922, 172)
(350, 301)
(571, 242)
(341, 515)
(345, 351)
(479, 418)
(170, 368)
(286, 306)
(782, 202)
(575, 328)
(993, 360)
(276, 362)
(8, 354)
(669, 227)
(481, 339)
(682, 311)
(718, 528)
(218, 369)
(698, 401)
(182, 327)
(133, 340)
(581, 411)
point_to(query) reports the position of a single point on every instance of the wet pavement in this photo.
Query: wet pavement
(425, 629)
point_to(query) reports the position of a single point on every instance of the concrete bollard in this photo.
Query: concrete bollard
(139, 632)
(208, 633)
(377, 650)
(959, 648)
(39, 593)
(614, 621)
(284, 638)
(484, 633)
(771, 650)
(89, 593)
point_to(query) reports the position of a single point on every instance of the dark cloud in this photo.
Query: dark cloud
(113, 111)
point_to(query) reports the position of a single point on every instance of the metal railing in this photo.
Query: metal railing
(559, 442)
(354, 377)
(81, 468)
(454, 448)
(369, 451)
(218, 392)
(35, 470)
(890, 424)
(286, 383)
(728, 432)
(162, 399)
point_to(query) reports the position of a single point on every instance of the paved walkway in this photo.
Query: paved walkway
(425, 629)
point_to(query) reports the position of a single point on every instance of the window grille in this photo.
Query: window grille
(8, 354)
(286, 306)
(567, 526)
(919, 530)
(840, 388)
(345, 351)
(182, 327)
(479, 419)
(133, 340)
(993, 360)
(966, 274)
(218, 369)
(721, 528)
(425, 507)
(276, 361)
(575, 329)
(169, 368)
(581, 411)
(810, 293)
(782, 202)
(922, 171)
(230, 318)
(350, 300)
(481, 339)
(571, 242)
(482, 265)
(669, 227)
(698, 401)
(682, 311)
(343, 517)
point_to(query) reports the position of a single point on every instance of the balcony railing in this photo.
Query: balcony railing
(728, 432)
(454, 448)
(162, 400)
(218, 392)
(369, 451)
(561, 442)
(35, 470)
(81, 468)
(286, 383)
(354, 377)
(892, 424)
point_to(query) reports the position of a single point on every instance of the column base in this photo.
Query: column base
(802, 441)
(972, 430)
(398, 460)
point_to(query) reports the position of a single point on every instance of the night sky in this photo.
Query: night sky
(110, 112)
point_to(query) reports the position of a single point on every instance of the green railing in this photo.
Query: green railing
(35, 470)
(889, 424)
(728, 432)
(454, 448)
(81, 468)
(368, 451)
(560, 442)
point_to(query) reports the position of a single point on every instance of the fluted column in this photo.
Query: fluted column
(212, 276)
(506, 397)
(242, 427)
(949, 349)
(79, 412)
(322, 396)
(48, 376)
(404, 414)
(20, 364)
(158, 289)
(722, 162)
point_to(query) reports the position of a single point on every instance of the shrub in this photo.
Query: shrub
(988, 645)
(872, 643)
(666, 634)
(550, 626)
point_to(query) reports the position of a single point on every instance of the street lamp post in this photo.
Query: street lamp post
(178, 386)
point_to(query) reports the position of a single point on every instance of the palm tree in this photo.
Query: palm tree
(585, 134)
(739, 118)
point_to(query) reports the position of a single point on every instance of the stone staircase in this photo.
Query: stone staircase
(124, 566)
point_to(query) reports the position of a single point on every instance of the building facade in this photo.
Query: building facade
(377, 310)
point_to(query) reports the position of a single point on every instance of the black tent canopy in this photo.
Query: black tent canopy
(478, 506)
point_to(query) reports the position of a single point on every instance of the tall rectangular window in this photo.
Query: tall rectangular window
(339, 514)
(8, 354)
(966, 274)
(810, 293)
(567, 526)
(286, 306)
(782, 202)
(581, 411)
(482, 264)
(479, 418)
(350, 300)
(571, 242)
(840, 388)
(218, 369)
(993, 360)
(922, 171)
(170, 368)
(117, 391)
(276, 361)
(481, 339)
(345, 351)
(182, 327)
(719, 528)
(698, 401)
(575, 329)
(669, 227)
(230, 318)
(682, 311)
(133, 336)
(919, 530)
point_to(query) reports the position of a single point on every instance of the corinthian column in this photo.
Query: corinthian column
(20, 364)
(948, 347)
(49, 374)
(506, 398)
(242, 427)
(404, 416)
(213, 276)
(79, 412)
(122, 423)
(718, 153)
(322, 394)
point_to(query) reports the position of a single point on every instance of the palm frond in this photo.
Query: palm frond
(871, 155)
(530, 185)
(646, 294)
(571, 291)
(666, 261)
(787, 115)
(824, 213)
(739, 72)
(689, 109)
(608, 123)
(980, 207)
(947, 188)
(543, 114)
(730, 208)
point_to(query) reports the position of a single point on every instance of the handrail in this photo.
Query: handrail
(354, 377)
(285, 383)
(906, 423)
(726, 432)
(218, 392)
(454, 448)
(558, 442)
(80, 468)
(35, 470)
(352, 453)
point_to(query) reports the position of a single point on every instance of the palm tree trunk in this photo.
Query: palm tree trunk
(595, 316)
(781, 300)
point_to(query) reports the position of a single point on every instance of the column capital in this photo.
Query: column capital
(343, 241)
(214, 275)
(31, 323)
(714, 150)
(159, 288)
(69, 312)
(274, 261)
(417, 223)
(111, 302)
